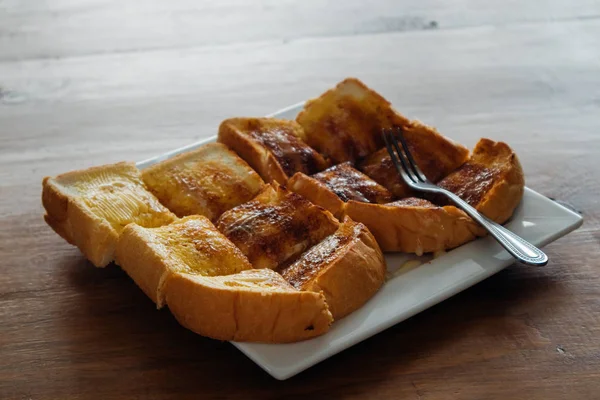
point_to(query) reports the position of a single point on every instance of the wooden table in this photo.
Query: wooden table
(93, 82)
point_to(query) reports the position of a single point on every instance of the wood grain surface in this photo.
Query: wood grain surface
(92, 82)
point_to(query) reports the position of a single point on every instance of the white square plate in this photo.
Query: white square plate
(410, 290)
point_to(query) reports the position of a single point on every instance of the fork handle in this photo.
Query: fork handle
(518, 247)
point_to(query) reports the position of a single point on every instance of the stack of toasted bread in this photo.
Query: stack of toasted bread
(277, 230)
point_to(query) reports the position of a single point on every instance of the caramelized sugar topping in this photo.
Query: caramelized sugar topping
(290, 151)
(350, 184)
(489, 163)
(275, 227)
(471, 182)
(319, 256)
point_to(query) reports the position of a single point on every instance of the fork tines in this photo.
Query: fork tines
(401, 156)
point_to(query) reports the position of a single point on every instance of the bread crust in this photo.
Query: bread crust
(415, 225)
(273, 147)
(68, 214)
(191, 244)
(348, 267)
(207, 181)
(226, 308)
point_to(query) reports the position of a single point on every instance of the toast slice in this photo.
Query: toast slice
(191, 245)
(492, 180)
(90, 208)
(276, 226)
(332, 188)
(271, 146)
(345, 123)
(414, 225)
(347, 266)
(254, 305)
(207, 181)
(436, 156)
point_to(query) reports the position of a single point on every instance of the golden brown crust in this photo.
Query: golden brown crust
(242, 307)
(415, 225)
(317, 192)
(207, 181)
(190, 245)
(89, 208)
(436, 155)
(350, 184)
(276, 226)
(345, 122)
(273, 147)
(348, 267)
(492, 180)
(336, 185)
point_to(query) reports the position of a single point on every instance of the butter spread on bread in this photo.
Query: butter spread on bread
(191, 245)
(90, 208)
(207, 181)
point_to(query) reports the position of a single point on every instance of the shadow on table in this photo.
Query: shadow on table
(121, 344)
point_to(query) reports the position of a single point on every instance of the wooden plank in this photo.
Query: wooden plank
(61, 28)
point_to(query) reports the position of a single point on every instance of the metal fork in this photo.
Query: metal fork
(518, 247)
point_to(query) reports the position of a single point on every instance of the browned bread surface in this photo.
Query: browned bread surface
(276, 226)
(273, 147)
(89, 208)
(347, 266)
(190, 245)
(491, 181)
(436, 156)
(207, 181)
(345, 122)
(254, 305)
(336, 185)
(415, 225)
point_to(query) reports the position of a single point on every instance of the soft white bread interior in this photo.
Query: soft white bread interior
(347, 266)
(332, 188)
(492, 180)
(276, 226)
(254, 305)
(207, 181)
(190, 245)
(415, 225)
(271, 146)
(89, 208)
